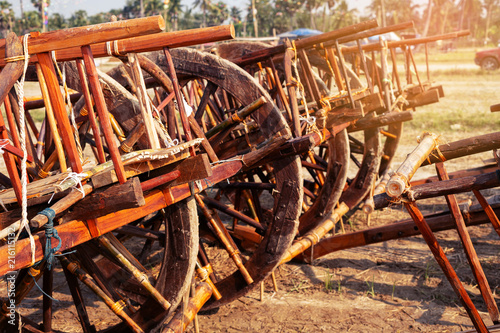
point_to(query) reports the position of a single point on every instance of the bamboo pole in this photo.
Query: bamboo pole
(182, 319)
(399, 182)
(314, 236)
(237, 118)
(116, 307)
(139, 276)
(452, 186)
(465, 147)
(134, 135)
(178, 97)
(204, 273)
(234, 254)
(141, 93)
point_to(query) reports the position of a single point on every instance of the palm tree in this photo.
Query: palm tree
(41, 6)
(218, 14)
(489, 5)
(310, 7)
(6, 17)
(204, 5)
(57, 22)
(174, 8)
(79, 19)
(32, 20)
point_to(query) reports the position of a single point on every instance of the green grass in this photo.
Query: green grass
(465, 107)
(457, 56)
(371, 288)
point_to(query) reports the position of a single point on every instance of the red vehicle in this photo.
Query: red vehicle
(488, 59)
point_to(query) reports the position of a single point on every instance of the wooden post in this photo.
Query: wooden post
(178, 97)
(102, 110)
(470, 252)
(90, 109)
(65, 130)
(48, 276)
(139, 276)
(292, 93)
(81, 309)
(142, 96)
(10, 164)
(488, 210)
(446, 267)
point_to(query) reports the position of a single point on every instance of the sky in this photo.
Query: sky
(67, 7)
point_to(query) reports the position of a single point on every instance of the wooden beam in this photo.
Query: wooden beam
(91, 34)
(76, 232)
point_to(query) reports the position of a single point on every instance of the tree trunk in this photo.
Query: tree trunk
(428, 20)
(488, 19)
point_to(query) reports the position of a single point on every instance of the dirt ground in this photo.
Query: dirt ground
(395, 286)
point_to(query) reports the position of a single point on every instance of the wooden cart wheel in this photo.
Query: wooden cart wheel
(325, 193)
(174, 265)
(228, 87)
(162, 247)
(337, 157)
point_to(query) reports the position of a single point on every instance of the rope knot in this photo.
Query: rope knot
(50, 232)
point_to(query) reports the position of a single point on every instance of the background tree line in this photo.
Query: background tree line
(481, 17)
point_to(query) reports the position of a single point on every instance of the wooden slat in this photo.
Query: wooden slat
(102, 110)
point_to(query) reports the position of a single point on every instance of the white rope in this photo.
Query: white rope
(77, 180)
(24, 176)
(301, 87)
(3, 206)
(168, 140)
(108, 49)
(3, 144)
(228, 160)
(311, 122)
